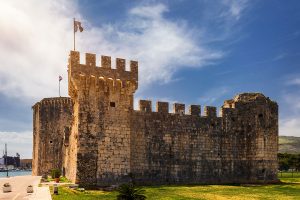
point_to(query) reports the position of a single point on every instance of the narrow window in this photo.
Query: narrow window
(112, 104)
(66, 136)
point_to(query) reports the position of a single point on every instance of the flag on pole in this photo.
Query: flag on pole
(77, 25)
(59, 78)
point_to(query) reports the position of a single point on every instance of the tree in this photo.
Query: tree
(288, 161)
(283, 165)
(297, 162)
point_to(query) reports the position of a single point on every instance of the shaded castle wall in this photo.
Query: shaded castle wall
(51, 117)
(251, 122)
(239, 147)
(174, 147)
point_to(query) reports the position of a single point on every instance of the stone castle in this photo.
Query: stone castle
(97, 138)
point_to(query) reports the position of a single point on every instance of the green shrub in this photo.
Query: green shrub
(55, 173)
(130, 192)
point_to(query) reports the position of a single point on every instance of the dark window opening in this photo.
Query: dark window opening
(50, 141)
(112, 104)
(261, 120)
(66, 136)
(213, 125)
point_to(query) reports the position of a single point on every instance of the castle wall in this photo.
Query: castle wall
(51, 117)
(175, 148)
(101, 140)
(239, 147)
(114, 148)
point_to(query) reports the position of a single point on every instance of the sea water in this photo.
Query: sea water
(15, 173)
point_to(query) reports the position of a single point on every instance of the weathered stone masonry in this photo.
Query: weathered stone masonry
(101, 138)
(51, 119)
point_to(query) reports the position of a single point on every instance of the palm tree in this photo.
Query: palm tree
(130, 192)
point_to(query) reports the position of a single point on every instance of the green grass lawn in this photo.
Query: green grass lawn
(289, 189)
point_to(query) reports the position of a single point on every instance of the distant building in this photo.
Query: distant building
(26, 163)
(11, 160)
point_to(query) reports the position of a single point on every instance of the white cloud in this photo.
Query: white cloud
(17, 142)
(161, 46)
(290, 126)
(149, 12)
(37, 35)
(34, 45)
(289, 123)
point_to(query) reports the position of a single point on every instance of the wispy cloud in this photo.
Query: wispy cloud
(292, 100)
(213, 95)
(235, 8)
(290, 126)
(294, 81)
(223, 20)
(162, 46)
(280, 57)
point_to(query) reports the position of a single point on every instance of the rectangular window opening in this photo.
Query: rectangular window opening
(112, 104)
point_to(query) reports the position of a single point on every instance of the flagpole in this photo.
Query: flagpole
(6, 160)
(59, 88)
(74, 32)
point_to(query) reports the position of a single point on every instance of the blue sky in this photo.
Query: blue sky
(196, 51)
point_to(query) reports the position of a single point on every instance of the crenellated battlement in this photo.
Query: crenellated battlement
(103, 77)
(229, 106)
(104, 70)
(177, 108)
(55, 101)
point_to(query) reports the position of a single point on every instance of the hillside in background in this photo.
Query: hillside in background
(289, 144)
